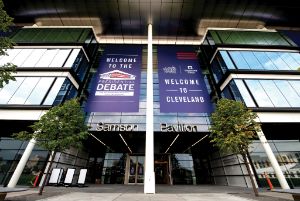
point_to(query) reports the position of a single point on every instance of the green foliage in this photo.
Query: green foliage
(5, 43)
(234, 126)
(59, 129)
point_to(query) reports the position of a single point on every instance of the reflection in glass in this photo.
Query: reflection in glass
(259, 94)
(183, 169)
(8, 90)
(239, 60)
(54, 91)
(21, 57)
(273, 92)
(24, 90)
(39, 91)
(245, 94)
(60, 58)
(288, 91)
(72, 58)
(227, 60)
(289, 161)
(34, 57)
(114, 168)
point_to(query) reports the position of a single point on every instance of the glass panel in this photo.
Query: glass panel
(39, 91)
(140, 169)
(279, 63)
(251, 60)
(132, 169)
(259, 94)
(21, 57)
(60, 58)
(245, 94)
(47, 58)
(24, 90)
(264, 60)
(290, 61)
(227, 60)
(274, 94)
(72, 58)
(54, 91)
(288, 92)
(296, 56)
(10, 144)
(34, 57)
(239, 60)
(296, 86)
(11, 55)
(9, 89)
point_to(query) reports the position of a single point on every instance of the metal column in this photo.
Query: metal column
(274, 162)
(149, 181)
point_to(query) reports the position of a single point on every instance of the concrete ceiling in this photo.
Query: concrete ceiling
(173, 20)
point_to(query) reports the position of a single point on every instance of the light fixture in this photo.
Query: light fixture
(125, 143)
(172, 143)
(195, 143)
(100, 141)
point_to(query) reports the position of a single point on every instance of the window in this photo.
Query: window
(54, 91)
(289, 92)
(239, 60)
(60, 58)
(274, 93)
(267, 93)
(259, 93)
(24, 91)
(33, 90)
(22, 56)
(34, 57)
(72, 58)
(47, 58)
(8, 90)
(251, 60)
(227, 60)
(40, 57)
(262, 60)
(39, 91)
(11, 53)
(245, 94)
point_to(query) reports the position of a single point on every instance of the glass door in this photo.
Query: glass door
(136, 170)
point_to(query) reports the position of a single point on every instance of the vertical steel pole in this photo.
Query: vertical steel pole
(149, 181)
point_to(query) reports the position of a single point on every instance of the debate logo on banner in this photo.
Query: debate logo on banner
(117, 84)
(181, 83)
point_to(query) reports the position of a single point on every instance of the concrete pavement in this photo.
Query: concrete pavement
(135, 193)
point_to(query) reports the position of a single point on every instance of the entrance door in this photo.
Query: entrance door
(136, 170)
(162, 174)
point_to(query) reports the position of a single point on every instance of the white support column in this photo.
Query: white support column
(149, 181)
(274, 162)
(21, 165)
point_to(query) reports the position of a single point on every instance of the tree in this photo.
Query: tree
(61, 128)
(8, 69)
(233, 130)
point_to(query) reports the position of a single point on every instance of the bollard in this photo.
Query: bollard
(36, 180)
(268, 181)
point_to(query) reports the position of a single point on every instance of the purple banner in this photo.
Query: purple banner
(116, 87)
(181, 84)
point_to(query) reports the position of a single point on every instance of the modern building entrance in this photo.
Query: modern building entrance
(135, 169)
(135, 166)
(162, 169)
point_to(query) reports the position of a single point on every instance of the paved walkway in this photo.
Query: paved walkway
(135, 193)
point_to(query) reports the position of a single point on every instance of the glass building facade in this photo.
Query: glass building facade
(259, 68)
(52, 67)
